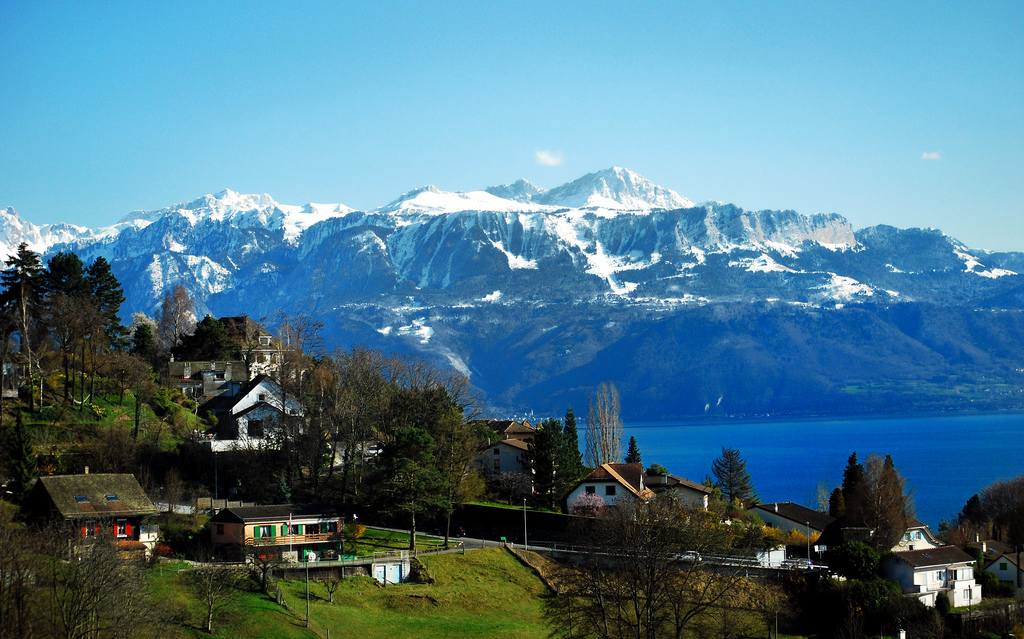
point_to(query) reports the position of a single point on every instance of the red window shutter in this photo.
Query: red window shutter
(85, 531)
(128, 528)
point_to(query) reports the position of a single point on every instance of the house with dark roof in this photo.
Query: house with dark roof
(311, 531)
(917, 536)
(254, 417)
(510, 429)
(261, 351)
(614, 482)
(688, 493)
(926, 573)
(95, 505)
(787, 516)
(1002, 560)
(503, 456)
(204, 380)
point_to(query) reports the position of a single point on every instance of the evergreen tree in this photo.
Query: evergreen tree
(143, 342)
(20, 298)
(853, 475)
(210, 341)
(284, 493)
(108, 297)
(853, 480)
(570, 459)
(65, 274)
(23, 460)
(543, 456)
(632, 452)
(408, 482)
(730, 471)
(836, 503)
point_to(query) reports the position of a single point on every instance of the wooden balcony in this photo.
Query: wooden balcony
(284, 540)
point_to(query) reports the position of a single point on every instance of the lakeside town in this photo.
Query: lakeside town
(245, 461)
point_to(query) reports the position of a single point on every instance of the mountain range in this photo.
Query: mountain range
(538, 295)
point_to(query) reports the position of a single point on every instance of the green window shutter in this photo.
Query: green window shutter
(256, 532)
(273, 531)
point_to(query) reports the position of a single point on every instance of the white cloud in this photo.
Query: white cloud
(931, 155)
(550, 158)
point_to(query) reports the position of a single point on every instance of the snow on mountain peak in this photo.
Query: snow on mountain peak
(431, 200)
(615, 188)
(520, 191)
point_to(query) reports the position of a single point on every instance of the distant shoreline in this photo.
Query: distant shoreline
(767, 419)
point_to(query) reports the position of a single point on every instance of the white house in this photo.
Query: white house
(926, 573)
(254, 417)
(918, 537)
(1000, 560)
(688, 493)
(787, 516)
(612, 482)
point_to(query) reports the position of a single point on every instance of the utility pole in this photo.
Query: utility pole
(307, 589)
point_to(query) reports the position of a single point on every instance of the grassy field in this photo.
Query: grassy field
(484, 593)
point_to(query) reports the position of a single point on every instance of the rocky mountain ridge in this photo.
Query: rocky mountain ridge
(434, 272)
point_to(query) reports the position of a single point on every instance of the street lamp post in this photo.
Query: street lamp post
(526, 542)
(808, 544)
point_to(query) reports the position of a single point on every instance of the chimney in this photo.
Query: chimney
(86, 470)
(776, 507)
(984, 547)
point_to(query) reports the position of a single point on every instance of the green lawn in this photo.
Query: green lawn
(484, 593)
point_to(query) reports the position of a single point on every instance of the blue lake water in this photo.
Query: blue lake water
(945, 459)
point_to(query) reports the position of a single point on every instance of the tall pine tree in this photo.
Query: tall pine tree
(20, 298)
(633, 452)
(731, 476)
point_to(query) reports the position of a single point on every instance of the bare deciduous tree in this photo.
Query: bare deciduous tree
(177, 317)
(215, 586)
(604, 427)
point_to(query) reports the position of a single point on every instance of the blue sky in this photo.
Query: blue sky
(910, 115)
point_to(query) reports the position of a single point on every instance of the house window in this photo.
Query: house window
(265, 341)
(330, 527)
(121, 529)
(497, 465)
(1003, 565)
(90, 529)
(497, 451)
(262, 397)
(254, 428)
(609, 490)
(219, 376)
(220, 529)
(265, 531)
(590, 489)
(112, 498)
(82, 499)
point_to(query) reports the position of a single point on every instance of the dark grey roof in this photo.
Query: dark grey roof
(275, 512)
(942, 556)
(797, 514)
(95, 495)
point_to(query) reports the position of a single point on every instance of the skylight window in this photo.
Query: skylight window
(82, 499)
(113, 498)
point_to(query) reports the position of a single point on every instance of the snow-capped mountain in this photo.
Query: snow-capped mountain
(457, 275)
(615, 188)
